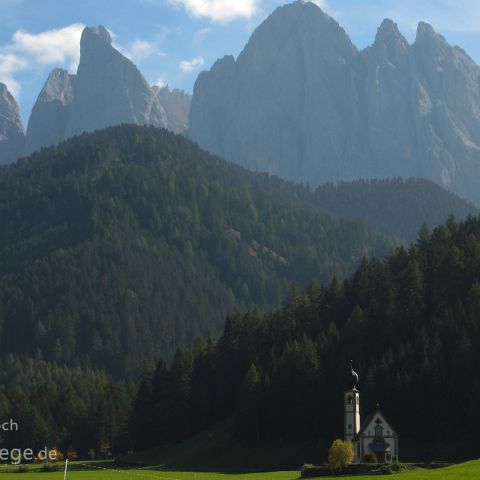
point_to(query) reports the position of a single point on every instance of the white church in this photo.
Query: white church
(375, 434)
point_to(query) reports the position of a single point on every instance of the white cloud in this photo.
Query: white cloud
(219, 10)
(202, 32)
(9, 64)
(60, 46)
(189, 65)
(321, 3)
(142, 48)
(161, 82)
(139, 50)
(57, 47)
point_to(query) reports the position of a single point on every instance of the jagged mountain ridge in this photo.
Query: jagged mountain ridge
(301, 101)
(177, 107)
(107, 90)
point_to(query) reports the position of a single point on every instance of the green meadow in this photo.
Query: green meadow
(465, 471)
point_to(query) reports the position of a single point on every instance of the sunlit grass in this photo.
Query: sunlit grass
(103, 471)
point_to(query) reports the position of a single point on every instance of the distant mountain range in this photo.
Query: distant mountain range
(107, 90)
(301, 101)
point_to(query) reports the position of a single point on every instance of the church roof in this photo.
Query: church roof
(366, 423)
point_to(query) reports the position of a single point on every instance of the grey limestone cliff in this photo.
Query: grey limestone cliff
(107, 90)
(177, 107)
(51, 111)
(302, 102)
(12, 135)
(263, 111)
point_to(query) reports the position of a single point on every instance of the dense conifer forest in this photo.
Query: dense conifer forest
(411, 323)
(120, 246)
(395, 207)
(76, 409)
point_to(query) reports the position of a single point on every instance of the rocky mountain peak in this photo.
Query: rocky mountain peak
(109, 88)
(8, 107)
(390, 45)
(51, 111)
(95, 34)
(59, 86)
(426, 33)
(298, 28)
(177, 106)
(388, 33)
(95, 47)
(303, 103)
(301, 19)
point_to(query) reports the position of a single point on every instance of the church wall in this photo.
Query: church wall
(367, 440)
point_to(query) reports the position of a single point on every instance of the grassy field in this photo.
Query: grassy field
(465, 471)
(139, 474)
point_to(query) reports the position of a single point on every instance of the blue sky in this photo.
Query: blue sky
(173, 40)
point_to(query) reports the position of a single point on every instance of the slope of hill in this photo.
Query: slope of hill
(301, 101)
(121, 245)
(215, 449)
(396, 207)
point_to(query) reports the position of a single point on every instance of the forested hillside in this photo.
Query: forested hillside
(117, 247)
(411, 323)
(71, 408)
(395, 207)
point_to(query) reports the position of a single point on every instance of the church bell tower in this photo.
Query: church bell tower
(352, 408)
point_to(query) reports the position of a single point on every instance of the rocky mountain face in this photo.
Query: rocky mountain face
(12, 135)
(51, 112)
(107, 90)
(177, 107)
(301, 101)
